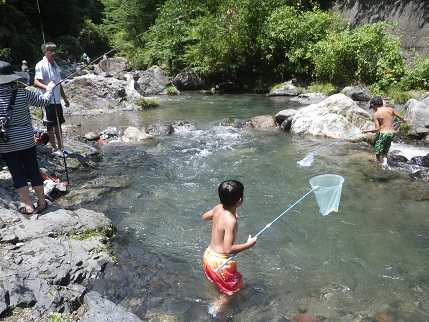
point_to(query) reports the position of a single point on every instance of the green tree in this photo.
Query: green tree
(288, 36)
(370, 54)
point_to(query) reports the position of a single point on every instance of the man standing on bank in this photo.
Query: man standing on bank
(47, 70)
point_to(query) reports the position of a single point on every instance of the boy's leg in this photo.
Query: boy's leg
(58, 136)
(50, 130)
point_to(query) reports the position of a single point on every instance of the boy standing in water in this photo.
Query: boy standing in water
(222, 245)
(384, 125)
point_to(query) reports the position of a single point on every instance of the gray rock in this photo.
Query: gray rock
(100, 309)
(337, 116)
(263, 122)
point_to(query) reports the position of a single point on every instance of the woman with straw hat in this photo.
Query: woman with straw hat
(17, 146)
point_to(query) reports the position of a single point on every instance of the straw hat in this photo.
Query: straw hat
(24, 62)
(7, 75)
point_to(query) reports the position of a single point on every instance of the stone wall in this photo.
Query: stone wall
(411, 17)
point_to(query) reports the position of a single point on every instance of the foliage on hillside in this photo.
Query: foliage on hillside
(247, 44)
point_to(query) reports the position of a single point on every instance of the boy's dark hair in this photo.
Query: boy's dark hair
(230, 192)
(44, 137)
(376, 101)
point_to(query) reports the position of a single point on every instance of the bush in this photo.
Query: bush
(144, 103)
(369, 55)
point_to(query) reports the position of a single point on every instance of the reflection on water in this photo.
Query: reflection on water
(369, 259)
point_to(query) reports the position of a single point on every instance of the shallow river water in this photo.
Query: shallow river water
(366, 262)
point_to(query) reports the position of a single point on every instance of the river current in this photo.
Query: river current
(367, 261)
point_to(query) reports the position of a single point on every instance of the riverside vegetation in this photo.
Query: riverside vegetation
(239, 45)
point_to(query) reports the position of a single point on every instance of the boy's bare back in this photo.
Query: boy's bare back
(383, 119)
(224, 229)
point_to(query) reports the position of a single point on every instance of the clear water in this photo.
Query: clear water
(369, 259)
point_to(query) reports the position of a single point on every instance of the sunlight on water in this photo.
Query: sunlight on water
(369, 258)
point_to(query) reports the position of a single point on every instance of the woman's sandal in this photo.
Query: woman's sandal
(23, 210)
(39, 210)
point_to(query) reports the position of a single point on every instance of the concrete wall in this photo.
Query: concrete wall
(411, 17)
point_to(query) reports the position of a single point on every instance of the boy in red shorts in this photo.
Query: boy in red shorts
(222, 245)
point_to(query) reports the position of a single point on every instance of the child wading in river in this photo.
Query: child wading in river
(222, 245)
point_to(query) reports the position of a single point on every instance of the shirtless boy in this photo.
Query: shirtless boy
(222, 246)
(384, 125)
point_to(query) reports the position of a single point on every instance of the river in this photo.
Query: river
(366, 261)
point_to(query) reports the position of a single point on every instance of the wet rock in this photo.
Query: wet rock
(421, 160)
(421, 175)
(230, 122)
(100, 309)
(263, 122)
(284, 118)
(160, 129)
(133, 134)
(285, 89)
(92, 136)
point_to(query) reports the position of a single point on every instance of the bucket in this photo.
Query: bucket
(327, 189)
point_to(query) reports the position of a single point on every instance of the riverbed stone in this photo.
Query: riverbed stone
(337, 116)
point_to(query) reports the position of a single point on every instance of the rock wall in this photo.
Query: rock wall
(411, 17)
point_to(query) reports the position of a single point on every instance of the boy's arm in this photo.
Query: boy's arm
(208, 215)
(399, 116)
(229, 239)
(63, 95)
(376, 125)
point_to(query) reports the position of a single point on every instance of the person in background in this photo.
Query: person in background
(17, 145)
(24, 66)
(222, 246)
(41, 137)
(384, 126)
(47, 70)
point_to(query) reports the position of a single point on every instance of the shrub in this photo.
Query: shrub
(144, 103)
(369, 54)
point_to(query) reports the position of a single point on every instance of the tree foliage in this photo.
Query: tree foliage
(370, 54)
(23, 28)
(249, 44)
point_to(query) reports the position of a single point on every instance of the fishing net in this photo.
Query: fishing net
(327, 189)
(307, 161)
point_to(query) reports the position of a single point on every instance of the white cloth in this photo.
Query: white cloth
(46, 72)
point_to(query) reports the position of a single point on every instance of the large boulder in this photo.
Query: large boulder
(112, 66)
(336, 117)
(188, 80)
(154, 81)
(357, 93)
(418, 118)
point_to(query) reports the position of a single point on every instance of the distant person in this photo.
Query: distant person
(47, 70)
(41, 137)
(134, 87)
(84, 58)
(24, 66)
(17, 144)
(384, 126)
(222, 245)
